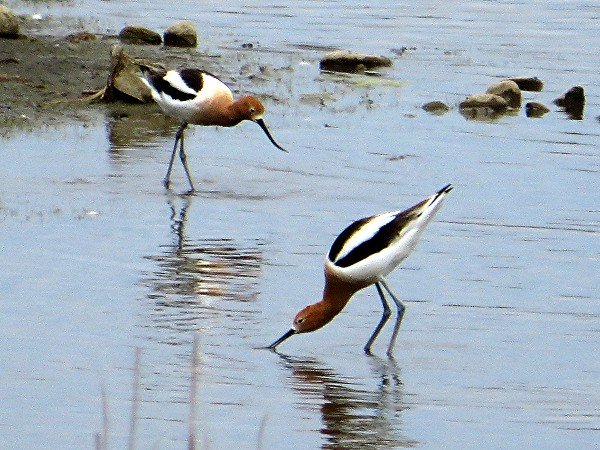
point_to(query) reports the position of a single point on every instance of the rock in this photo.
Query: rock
(345, 61)
(535, 109)
(488, 101)
(82, 36)
(181, 34)
(124, 81)
(573, 102)
(528, 83)
(574, 96)
(436, 107)
(509, 91)
(138, 35)
(9, 23)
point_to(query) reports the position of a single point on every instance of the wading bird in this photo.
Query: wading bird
(362, 255)
(196, 97)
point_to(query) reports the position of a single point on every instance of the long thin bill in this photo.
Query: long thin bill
(281, 339)
(266, 130)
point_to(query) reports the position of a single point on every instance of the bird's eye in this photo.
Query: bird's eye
(300, 320)
(252, 110)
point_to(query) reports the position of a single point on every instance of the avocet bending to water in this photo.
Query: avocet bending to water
(362, 255)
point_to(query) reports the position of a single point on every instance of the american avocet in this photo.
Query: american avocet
(199, 98)
(362, 255)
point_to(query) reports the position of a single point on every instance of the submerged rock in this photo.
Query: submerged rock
(138, 35)
(528, 83)
(535, 109)
(436, 107)
(573, 102)
(509, 91)
(574, 96)
(181, 34)
(346, 61)
(9, 23)
(493, 102)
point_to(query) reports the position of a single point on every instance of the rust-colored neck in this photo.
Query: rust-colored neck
(336, 296)
(221, 111)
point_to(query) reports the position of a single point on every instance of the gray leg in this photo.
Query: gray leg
(183, 158)
(401, 309)
(384, 318)
(178, 137)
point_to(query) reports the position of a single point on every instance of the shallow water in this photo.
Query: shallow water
(498, 342)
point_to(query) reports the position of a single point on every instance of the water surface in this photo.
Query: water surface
(498, 345)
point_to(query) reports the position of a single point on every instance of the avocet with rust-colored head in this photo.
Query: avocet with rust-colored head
(362, 255)
(199, 98)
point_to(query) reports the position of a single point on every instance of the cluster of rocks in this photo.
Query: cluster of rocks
(500, 98)
(505, 96)
(124, 83)
(179, 34)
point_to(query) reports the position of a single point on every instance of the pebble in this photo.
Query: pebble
(533, 84)
(9, 23)
(436, 107)
(509, 91)
(346, 61)
(535, 109)
(573, 97)
(181, 34)
(490, 101)
(139, 35)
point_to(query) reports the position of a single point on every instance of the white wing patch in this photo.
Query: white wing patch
(175, 80)
(365, 232)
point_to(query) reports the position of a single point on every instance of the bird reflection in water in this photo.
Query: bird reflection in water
(353, 417)
(205, 279)
(131, 127)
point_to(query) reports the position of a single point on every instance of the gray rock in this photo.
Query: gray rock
(138, 35)
(181, 34)
(490, 101)
(528, 83)
(509, 91)
(9, 23)
(345, 61)
(535, 109)
(436, 107)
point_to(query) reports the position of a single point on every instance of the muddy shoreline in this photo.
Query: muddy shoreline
(45, 79)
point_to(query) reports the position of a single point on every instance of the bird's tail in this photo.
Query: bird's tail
(443, 191)
(432, 204)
